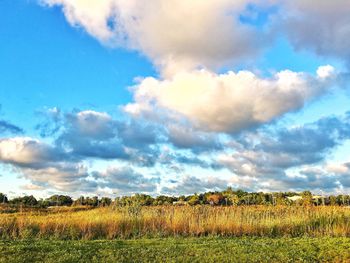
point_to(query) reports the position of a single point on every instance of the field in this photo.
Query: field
(176, 234)
(171, 221)
(203, 249)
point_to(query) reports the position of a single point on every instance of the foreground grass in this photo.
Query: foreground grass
(243, 249)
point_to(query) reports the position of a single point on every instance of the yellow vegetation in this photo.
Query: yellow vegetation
(128, 222)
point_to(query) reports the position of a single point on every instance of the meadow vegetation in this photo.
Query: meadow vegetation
(79, 223)
(228, 226)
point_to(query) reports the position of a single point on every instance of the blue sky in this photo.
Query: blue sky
(116, 98)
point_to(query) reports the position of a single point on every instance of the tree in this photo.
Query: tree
(94, 201)
(25, 200)
(280, 198)
(3, 199)
(332, 200)
(60, 200)
(240, 193)
(215, 199)
(105, 201)
(80, 201)
(182, 198)
(307, 198)
(233, 199)
(43, 203)
(164, 200)
(142, 199)
(194, 200)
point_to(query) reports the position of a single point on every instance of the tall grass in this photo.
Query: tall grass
(130, 222)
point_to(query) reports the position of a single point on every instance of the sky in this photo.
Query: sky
(112, 97)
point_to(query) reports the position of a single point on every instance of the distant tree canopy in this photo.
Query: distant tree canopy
(25, 200)
(226, 197)
(93, 201)
(60, 200)
(138, 199)
(216, 199)
(3, 198)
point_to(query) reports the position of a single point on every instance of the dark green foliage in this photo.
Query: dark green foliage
(93, 201)
(105, 201)
(3, 199)
(59, 200)
(226, 197)
(25, 201)
(137, 199)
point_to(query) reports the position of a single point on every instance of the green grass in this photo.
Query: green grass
(244, 249)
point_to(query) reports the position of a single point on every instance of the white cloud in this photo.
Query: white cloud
(32, 187)
(321, 26)
(228, 102)
(338, 168)
(175, 35)
(92, 124)
(92, 15)
(324, 72)
(44, 165)
(178, 35)
(26, 151)
(124, 180)
(67, 177)
(192, 184)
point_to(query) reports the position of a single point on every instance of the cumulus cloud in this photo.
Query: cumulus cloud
(320, 26)
(65, 177)
(179, 36)
(268, 156)
(47, 166)
(31, 187)
(51, 122)
(185, 137)
(83, 135)
(259, 160)
(25, 151)
(177, 160)
(91, 124)
(341, 173)
(7, 127)
(228, 102)
(192, 109)
(92, 134)
(44, 165)
(175, 35)
(192, 184)
(179, 40)
(92, 15)
(329, 177)
(125, 181)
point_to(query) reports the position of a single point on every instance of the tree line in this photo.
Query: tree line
(226, 197)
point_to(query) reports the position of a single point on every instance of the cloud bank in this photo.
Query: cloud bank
(176, 36)
(203, 113)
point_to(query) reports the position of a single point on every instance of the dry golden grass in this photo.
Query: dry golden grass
(128, 222)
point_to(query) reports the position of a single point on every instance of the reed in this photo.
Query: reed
(168, 221)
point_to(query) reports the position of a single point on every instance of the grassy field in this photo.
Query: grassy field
(204, 249)
(176, 234)
(139, 222)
